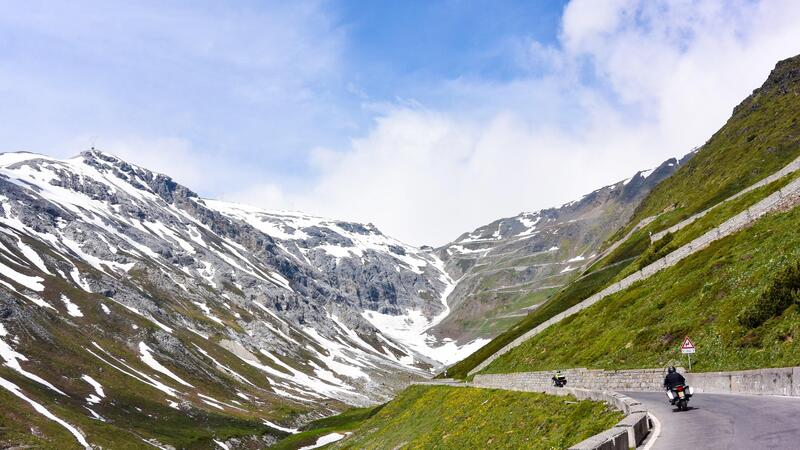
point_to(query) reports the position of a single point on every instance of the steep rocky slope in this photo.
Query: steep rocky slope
(508, 267)
(121, 290)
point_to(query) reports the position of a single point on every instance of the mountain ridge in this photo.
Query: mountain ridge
(182, 306)
(509, 266)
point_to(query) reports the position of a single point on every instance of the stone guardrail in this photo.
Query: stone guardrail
(788, 196)
(642, 223)
(789, 168)
(783, 381)
(617, 380)
(628, 433)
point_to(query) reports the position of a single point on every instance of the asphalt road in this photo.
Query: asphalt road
(725, 421)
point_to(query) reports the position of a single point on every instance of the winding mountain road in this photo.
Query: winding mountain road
(725, 421)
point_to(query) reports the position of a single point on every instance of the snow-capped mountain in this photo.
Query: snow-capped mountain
(136, 281)
(120, 289)
(509, 266)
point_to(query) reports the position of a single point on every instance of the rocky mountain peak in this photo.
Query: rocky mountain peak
(302, 310)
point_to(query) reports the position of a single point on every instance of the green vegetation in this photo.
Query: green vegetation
(491, 313)
(656, 251)
(732, 298)
(346, 421)
(714, 218)
(726, 210)
(783, 293)
(457, 417)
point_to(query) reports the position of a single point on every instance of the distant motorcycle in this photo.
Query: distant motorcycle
(559, 382)
(679, 396)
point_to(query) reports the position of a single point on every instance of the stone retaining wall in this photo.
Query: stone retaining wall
(618, 380)
(783, 381)
(790, 168)
(785, 198)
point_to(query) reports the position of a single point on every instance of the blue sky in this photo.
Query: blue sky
(424, 40)
(426, 118)
(238, 80)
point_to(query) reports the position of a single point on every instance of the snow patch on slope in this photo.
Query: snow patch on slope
(145, 353)
(411, 329)
(14, 389)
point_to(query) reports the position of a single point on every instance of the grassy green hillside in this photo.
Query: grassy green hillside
(739, 300)
(456, 418)
(762, 136)
(632, 255)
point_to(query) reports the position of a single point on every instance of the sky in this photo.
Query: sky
(426, 118)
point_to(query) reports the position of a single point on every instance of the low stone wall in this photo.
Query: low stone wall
(781, 381)
(775, 381)
(617, 380)
(642, 223)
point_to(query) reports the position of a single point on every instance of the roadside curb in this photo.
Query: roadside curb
(655, 432)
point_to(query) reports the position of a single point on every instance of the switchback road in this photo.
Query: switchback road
(725, 421)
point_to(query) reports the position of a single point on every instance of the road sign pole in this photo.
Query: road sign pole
(689, 355)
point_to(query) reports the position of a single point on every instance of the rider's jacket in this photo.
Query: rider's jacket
(674, 379)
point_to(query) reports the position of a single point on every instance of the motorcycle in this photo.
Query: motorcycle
(679, 396)
(559, 382)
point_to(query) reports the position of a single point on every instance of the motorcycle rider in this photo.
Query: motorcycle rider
(673, 379)
(559, 379)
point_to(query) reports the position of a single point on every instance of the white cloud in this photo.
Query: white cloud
(252, 79)
(425, 177)
(630, 83)
(666, 75)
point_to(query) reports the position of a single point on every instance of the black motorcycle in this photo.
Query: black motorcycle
(559, 381)
(679, 396)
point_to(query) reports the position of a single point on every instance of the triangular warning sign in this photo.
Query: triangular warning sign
(687, 344)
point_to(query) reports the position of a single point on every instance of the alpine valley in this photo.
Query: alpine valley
(132, 310)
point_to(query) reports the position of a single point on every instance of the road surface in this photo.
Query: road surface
(725, 421)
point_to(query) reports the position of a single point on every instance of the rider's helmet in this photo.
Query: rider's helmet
(671, 369)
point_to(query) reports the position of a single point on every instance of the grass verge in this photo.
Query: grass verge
(456, 418)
